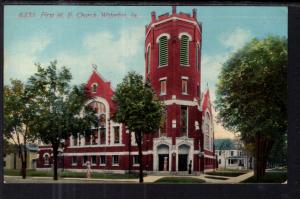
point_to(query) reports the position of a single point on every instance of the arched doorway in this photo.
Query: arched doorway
(163, 157)
(183, 157)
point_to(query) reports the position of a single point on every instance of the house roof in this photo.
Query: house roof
(32, 147)
(226, 144)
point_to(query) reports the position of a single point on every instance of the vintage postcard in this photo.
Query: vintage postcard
(145, 94)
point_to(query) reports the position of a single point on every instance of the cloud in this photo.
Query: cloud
(235, 39)
(20, 56)
(211, 66)
(114, 54)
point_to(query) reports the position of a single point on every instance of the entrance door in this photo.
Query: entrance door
(161, 159)
(182, 162)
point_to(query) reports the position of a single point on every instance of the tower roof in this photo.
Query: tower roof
(187, 17)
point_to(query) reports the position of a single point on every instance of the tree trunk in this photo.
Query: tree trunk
(23, 157)
(139, 142)
(24, 163)
(258, 158)
(55, 155)
(263, 147)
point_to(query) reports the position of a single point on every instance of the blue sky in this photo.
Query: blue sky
(116, 44)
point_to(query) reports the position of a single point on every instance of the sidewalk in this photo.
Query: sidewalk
(147, 179)
(35, 179)
(228, 180)
(241, 178)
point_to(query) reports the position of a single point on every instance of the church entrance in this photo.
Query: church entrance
(163, 162)
(183, 157)
(182, 162)
(163, 157)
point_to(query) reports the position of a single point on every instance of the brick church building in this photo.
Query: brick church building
(173, 65)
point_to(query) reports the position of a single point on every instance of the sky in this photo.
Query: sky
(74, 37)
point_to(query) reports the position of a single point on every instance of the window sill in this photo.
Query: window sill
(162, 66)
(73, 165)
(115, 165)
(136, 165)
(102, 165)
(184, 93)
(162, 94)
(93, 164)
(185, 65)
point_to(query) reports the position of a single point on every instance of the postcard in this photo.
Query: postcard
(145, 94)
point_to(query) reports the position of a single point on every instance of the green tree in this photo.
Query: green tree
(18, 113)
(8, 147)
(60, 109)
(278, 154)
(138, 108)
(252, 95)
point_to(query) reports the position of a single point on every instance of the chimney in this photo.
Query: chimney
(173, 10)
(195, 13)
(153, 16)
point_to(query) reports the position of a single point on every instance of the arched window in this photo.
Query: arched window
(148, 59)
(184, 50)
(116, 131)
(100, 131)
(94, 87)
(46, 159)
(207, 129)
(163, 51)
(183, 120)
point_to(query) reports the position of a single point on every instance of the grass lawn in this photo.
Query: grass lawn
(180, 180)
(227, 173)
(270, 177)
(15, 172)
(68, 174)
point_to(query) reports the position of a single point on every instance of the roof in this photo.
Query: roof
(226, 144)
(205, 101)
(32, 147)
(97, 75)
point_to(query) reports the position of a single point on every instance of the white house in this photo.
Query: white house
(230, 155)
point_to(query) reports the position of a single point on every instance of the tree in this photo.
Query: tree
(138, 108)
(60, 110)
(249, 149)
(252, 95)
(8, 147)
(18, 112)
(278, 154)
